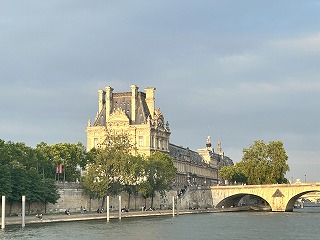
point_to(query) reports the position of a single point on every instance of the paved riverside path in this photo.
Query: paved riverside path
(48, 218)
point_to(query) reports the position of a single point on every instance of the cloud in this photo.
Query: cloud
(304, 45)
(245, 61)
(237, 71)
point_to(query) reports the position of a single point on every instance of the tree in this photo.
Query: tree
(96, 181)
(45, 165)
(5, 183)
(71, 156)
(20, 175)
(261, 164)
(19, 184)
(265, 163)
(108, 167)
(160, 172)
(34, 187)
(233, 174)
(278, 164)
(134, 175)
(49, 192)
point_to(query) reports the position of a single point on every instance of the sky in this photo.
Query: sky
(237, 70)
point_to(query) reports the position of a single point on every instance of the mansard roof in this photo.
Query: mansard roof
(100, 118)
(122, 101)
(185, 154)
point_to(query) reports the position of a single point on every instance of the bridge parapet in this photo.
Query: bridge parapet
(280, 197)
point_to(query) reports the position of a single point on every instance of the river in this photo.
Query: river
(300, 224)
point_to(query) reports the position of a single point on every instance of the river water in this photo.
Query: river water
(300, 224)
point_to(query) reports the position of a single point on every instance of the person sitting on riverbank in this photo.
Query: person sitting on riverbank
(83, 210)
(67, 212)
(124, 209)
(39, 215)
(100, 210)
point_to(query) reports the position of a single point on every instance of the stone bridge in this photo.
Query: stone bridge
(280, 197)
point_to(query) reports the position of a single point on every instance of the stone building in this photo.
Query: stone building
(134, 113)
(216, 159)
(192, 169)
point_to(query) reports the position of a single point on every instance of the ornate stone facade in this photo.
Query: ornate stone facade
(134, 114)
(192, 169)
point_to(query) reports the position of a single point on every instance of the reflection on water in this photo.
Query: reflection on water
(300, 224)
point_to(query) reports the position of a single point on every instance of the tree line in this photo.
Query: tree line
(32, 171)
(110, 169)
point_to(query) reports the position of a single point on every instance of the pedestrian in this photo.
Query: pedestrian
(39, 215)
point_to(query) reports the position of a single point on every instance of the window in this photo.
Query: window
(140, 141)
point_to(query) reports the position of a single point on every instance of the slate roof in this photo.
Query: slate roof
(181, 153)
(123, 101)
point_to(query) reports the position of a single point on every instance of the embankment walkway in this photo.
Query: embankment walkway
(50, 218)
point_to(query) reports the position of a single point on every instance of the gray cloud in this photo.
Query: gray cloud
(237, 70)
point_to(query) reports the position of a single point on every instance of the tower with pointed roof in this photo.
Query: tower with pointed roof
(219, 148)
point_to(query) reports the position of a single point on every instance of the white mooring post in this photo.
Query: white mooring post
(3, 212)
(178, 206)
(23, 211)
(120, 207)
(172, 206)
(108, 209)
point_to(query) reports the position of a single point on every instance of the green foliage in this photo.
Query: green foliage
(31, 172)
(45, 165)
(159, 173)
(261, 164)
(70, 156)
(117, 142)
(30, 183)
(112, 169)
(34, 187)
(233, 174)
(5, 183)
(19, 183)
(96, 181)
(49, 191)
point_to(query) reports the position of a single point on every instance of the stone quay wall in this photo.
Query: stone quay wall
(73, 197)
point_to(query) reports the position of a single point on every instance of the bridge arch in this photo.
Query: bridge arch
(234, 200)
(291, 202)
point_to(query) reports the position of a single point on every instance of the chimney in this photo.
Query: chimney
(108, 97)
(150, 99)
(102, 96)
(134, 94)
